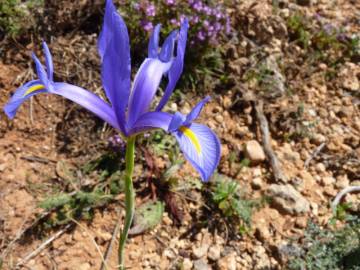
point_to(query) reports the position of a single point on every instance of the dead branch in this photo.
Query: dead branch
(314, 154)
(341, 194)
(266, 141)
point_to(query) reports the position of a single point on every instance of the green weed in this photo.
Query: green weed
(16, 16)
(227, 197)
(79, 205)
(324, 248)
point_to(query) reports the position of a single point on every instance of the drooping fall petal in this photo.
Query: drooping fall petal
(201, 148)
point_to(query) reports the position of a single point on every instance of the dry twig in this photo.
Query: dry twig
(341, 194)
(314, 154)
(266, 141)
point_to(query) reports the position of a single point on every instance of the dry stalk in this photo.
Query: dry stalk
(266, 141)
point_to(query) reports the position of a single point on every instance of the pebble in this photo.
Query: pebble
(227, 262)
(214, 253)
(314, 208)
(257, 183)
(262, 231)
(342, 181)
(84, 266)
(301, 222)
(219, 118)
(320, 167)
(201, 264)
(254, 151)
(287, 199)
(327, 180)
(187, 264)
(260, 258)
(168, 253)
(200, 252)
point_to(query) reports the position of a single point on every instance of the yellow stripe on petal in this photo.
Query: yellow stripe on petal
(34, 88)
(192, 137)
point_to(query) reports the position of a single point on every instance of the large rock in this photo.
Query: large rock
(254, 151)
(288, 200)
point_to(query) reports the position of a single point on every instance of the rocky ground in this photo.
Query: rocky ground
(312, 106)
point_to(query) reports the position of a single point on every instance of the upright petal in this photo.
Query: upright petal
(153, 48)
(48, 61)
(40, 71)
(196, 111)
(177, 121)
(107, 30)
(167, 49)
(116, 67)
(21, 94)
(177, 67)
(146, 83)
(201, 147)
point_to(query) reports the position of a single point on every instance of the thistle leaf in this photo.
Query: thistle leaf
(147, 217)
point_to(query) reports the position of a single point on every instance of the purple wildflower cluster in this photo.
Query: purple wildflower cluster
(116, 143)
(206, 21)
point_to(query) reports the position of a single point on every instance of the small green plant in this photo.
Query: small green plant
(79, 205)
(324, 248)
(322, 41)
(299, 29)
(16, 16)
(228, 199)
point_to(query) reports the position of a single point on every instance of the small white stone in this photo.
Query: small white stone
(257, 183)
(328, 180)
(254, 151)
(200, 252)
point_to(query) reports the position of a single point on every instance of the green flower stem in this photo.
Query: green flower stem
(129, 199)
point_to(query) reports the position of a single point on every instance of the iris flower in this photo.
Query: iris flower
(128, 109)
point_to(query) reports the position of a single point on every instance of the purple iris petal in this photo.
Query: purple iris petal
(20, 96)
(151, 120)
(177, 121)
(196, 110)
(146, 83)
(153, 48)
(107, 30)
(48, 62)
(167, 49)
(177, 67)
(87, 100)
(80, 96)
(116, 66)
(40, 71)
(202, 149)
